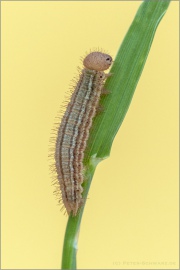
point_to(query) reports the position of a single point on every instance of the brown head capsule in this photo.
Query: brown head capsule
(97, 61)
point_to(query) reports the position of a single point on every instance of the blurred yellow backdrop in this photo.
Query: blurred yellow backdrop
(131, 217)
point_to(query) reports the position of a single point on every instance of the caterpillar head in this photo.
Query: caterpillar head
(97, 61)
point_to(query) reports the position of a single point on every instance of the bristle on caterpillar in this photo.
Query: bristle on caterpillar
(73, 132)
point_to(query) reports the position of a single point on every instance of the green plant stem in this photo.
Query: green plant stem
(127, 68)
(73, 227)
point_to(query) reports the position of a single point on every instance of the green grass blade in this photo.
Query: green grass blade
(126, 70)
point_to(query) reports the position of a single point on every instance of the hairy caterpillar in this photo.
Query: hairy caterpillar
(73, 131)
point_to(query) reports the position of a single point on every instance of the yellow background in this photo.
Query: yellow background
(131, 217)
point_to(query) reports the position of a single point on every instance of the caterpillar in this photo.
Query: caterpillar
(73, 132)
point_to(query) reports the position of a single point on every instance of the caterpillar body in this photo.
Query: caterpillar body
(73, 131)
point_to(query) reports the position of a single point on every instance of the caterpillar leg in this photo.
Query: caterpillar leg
(105, 91)
(100, 109)
(107, 75)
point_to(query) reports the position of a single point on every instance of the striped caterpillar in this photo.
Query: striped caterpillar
(73, 131)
